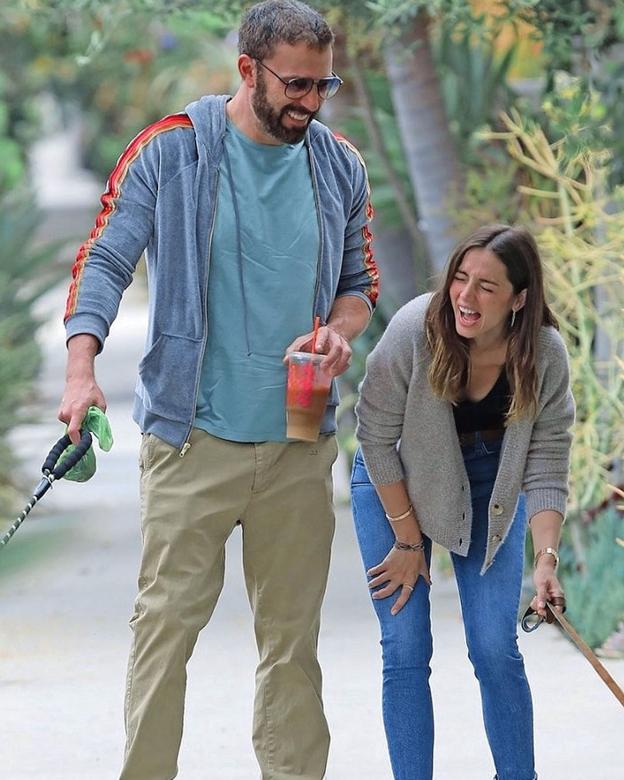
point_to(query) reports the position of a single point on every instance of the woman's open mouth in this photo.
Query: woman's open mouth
(468, 317)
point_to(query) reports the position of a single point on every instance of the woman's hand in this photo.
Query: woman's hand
(547, 586)
(399, 569)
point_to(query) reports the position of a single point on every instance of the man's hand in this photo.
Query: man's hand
(81, 389)
(329, 343)
(348, 318)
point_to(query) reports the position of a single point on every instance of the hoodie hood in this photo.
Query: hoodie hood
(208, 117)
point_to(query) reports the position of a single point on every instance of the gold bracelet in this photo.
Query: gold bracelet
(546, 551)
(396, 518)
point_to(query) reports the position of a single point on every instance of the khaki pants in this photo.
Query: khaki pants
(282, 495)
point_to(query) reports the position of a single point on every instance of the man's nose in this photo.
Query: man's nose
(312, 101)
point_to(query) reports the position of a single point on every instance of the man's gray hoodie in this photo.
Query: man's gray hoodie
(161, 199)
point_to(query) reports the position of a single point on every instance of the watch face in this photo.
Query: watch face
(547, 551)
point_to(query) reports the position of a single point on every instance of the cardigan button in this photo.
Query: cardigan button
(497, 509)
(495, 538)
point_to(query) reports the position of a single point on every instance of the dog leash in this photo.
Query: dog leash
(53, 469)
(529, 623)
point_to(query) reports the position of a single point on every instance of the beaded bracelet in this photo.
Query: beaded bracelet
(396, 518)
(411, 547)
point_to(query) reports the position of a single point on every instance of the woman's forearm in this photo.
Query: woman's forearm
(546, 532)
(396, 503)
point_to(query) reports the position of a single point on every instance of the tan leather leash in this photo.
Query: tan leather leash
(529, 624)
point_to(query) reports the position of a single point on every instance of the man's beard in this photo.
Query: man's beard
(271, 120)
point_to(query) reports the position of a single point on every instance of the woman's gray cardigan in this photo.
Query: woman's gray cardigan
(398, 407)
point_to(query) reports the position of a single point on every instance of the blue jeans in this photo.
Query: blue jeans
(489, 606)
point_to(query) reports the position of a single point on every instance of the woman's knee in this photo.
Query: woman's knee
(494, 658)
(406, 639)
(405, 657)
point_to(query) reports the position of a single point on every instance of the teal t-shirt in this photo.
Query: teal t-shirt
(261, 295)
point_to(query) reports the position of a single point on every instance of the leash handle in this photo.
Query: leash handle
(52, 467)
(51, 470)
(531, 620)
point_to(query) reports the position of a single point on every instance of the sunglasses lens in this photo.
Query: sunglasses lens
(328, 87)
(298, 87)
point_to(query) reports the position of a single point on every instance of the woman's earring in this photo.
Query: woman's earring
(513, 318)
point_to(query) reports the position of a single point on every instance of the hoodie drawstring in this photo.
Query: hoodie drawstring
(239, 245)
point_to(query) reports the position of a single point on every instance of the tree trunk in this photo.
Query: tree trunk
(429, 148)
(376, 140)
(401, 276)
(399, 252)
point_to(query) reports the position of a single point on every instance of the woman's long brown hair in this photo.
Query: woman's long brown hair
(515, 247)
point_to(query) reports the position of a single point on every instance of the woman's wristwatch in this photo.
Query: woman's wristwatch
(546, 551)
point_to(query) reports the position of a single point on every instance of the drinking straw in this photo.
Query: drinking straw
(317, 322)
(307, 375)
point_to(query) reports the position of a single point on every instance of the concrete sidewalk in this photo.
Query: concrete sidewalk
(67, 583)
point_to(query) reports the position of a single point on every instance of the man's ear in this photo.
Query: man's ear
(247, 69)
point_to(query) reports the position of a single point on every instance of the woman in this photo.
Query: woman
(463, 422)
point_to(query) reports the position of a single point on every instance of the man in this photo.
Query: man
(255, 219)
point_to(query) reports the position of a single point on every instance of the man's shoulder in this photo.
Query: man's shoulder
(335, 145)
(162, 128)
(163, 148)
(172, 135)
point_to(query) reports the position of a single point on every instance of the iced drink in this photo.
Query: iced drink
(306, 395)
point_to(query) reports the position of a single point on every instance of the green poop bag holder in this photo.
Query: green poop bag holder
(96, 423)
(66, 460)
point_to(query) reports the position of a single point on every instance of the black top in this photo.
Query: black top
(489, 413)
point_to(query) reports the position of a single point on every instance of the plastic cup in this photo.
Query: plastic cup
(306, 395)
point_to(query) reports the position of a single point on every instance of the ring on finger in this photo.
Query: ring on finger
(411, 587)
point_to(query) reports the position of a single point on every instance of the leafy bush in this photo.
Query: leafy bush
(595, 594)
(25, 274)
(559, 175)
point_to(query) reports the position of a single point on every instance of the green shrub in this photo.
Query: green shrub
(25, 274)
(595, 593)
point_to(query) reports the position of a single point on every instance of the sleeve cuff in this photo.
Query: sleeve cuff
(546, 499)
(383, 464)
(91, 324)
(358, 294)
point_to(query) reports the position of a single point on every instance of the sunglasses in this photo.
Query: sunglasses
(301, 86)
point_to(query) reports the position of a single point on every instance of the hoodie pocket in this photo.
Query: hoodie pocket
(167, 377)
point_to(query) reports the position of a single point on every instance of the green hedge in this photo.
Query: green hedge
(595, 590)
(26, 273)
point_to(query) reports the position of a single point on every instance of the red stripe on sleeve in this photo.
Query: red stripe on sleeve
(367, 234)
(111, 195)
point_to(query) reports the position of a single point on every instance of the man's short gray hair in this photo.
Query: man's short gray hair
(267, 24)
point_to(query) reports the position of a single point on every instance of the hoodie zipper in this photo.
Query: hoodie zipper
(187, 444)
